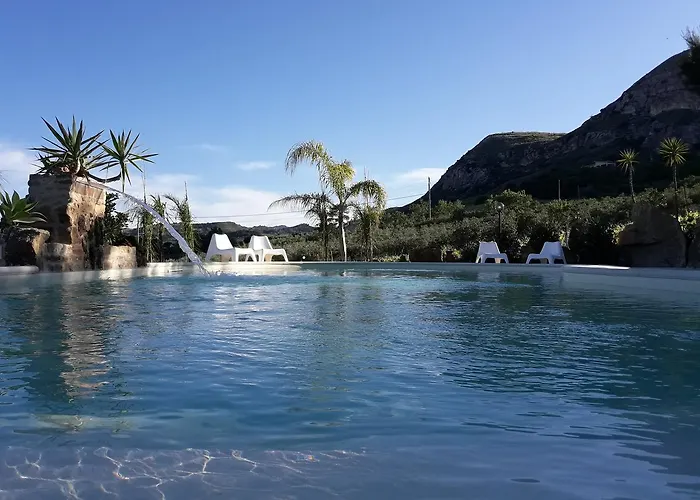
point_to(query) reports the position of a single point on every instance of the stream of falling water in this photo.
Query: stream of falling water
(194, 258)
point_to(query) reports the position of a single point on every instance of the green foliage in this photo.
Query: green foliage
(114, 222)
(182, 214)
(339, 193)
(17, 211)
(73, 152)
(690, 222)
(160, 206)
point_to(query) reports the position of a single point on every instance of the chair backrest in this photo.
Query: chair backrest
(259, 243)
(221, 242)
(552, 248)
(488, 247)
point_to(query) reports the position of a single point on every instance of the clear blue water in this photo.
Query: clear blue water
(368, 385)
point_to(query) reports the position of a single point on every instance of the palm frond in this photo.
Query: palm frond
(673, 151)
(370, 189)
(628, 160)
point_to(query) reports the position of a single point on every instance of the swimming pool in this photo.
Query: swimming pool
(367, 384)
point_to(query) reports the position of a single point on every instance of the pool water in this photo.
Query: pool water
(356, 385)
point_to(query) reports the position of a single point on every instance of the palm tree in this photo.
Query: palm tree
(314, 153)
(673, 151)
(336, 180)
(368, 217)
(315, 206)
(627, 162)
(341, 177)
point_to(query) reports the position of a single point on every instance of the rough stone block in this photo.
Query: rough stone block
(118, 257)
(24, 246)
(653, 239)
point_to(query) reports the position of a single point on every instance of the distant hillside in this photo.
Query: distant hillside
(657, 106)
(238, 233)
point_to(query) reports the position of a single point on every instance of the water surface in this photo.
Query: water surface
(367, 385)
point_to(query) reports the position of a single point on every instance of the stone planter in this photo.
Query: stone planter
(70, 209)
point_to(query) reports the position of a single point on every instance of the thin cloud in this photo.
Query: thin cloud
(212, 148)
(213, 202)
(16, 165)
(419, 176)
(255, 165)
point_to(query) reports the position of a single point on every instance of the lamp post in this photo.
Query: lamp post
(499, 210)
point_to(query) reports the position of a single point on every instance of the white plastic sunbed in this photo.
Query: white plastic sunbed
(221, 245)
(489, 250)
(552, 251)
(262, 248)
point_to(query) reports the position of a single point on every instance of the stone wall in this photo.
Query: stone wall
(118, 257)
(70, 209)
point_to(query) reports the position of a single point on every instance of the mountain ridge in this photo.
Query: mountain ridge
(658, 105)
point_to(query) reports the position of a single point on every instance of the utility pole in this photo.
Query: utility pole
(559, 189)
(430, 202)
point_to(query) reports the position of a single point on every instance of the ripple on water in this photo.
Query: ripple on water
(503, 386)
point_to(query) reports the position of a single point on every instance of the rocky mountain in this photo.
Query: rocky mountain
(661, 104)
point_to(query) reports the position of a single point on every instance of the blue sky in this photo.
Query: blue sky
(221, 88)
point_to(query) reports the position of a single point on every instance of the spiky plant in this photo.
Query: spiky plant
(16, 211)
(673, 151)
(73, 152)
(123, 152)
(627, 162)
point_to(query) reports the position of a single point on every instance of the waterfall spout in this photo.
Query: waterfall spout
(180, 240)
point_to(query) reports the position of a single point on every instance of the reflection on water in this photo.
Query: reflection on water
(507, 386)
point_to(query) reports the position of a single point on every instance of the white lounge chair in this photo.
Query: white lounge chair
(263, 249)
(489, 250)
(552, 251)
(221, 245)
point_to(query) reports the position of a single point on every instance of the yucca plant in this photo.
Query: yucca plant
(73, 152)
(123, 153)
(627, 162)
(673, 152)
(17, 211)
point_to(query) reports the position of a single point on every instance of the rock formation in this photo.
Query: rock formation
(694, 251)
(653, 239)
(71, 210)
(657, 106)
(24, 246)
